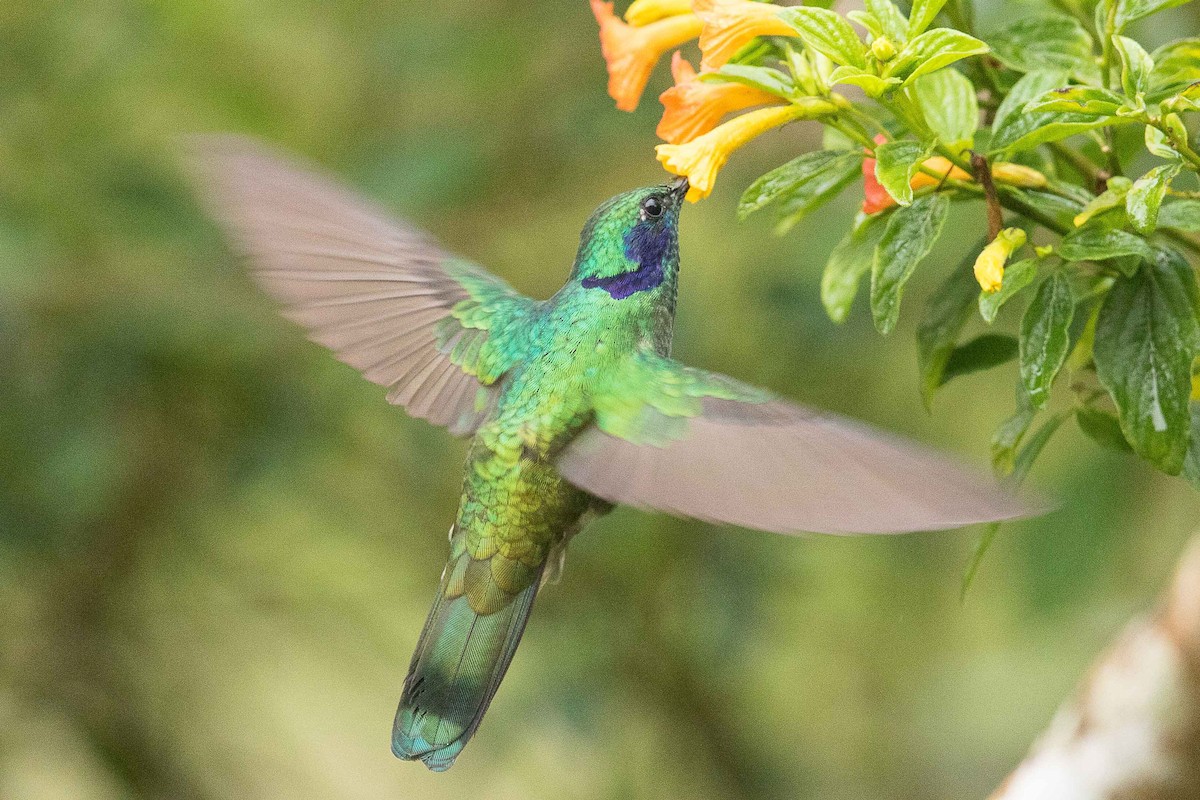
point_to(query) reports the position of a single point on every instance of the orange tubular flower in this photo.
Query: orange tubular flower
(693, 107)
(730, 24)
(702, 158)
(643, 12)
(631, 52)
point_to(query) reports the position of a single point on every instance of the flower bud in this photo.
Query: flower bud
(989, 266)
(1018, 175)
(883, 49)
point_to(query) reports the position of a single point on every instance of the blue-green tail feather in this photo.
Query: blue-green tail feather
(460, 659)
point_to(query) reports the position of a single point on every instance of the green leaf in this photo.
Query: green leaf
(1017, 276)
(922, 15)
(931, 51)
(827, 32)
(771, 81)
(1176, 65)
(1136, 66)
(985, 543)
(867, 20)
(1016, 129)
(1144, 201)
(895, 164)
(1096, 243)
(1129, 10)
(946, 313)
(1010, 433)
(1034, 446)
(982, 352)
(1191, 462)
(1027, 88)
(1045, 42)
(951, 108)
(849, 261)
(1183, 215)
(802, 180)
(892, 23)
(910, 235)
(1112, 197)
(1046, 336)
(1146, 338)
(870, 83)
(1102, 428)
(1060, 209)
(1090, 101)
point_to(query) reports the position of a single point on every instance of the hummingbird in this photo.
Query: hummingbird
(572, 405)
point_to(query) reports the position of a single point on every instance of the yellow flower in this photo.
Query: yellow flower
(730, 24)
(643, 12)
(631, 52)
(989, 267)
(693, 107)
(702, 158)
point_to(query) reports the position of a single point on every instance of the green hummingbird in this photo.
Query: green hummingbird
(573, 404)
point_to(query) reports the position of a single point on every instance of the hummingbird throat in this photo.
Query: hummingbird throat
(646, 244)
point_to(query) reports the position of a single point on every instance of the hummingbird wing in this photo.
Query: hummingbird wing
(435, 330)
(703, 445)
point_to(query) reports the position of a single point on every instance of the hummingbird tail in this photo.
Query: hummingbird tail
(462, 655)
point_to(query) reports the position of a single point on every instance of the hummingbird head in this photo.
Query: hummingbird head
(630, 244)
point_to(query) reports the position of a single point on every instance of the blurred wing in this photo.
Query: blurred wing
(701, 445)
(435, 330)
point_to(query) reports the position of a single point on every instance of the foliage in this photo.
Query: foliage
(1020, 125)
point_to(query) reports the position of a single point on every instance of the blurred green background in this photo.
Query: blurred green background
(217, 545)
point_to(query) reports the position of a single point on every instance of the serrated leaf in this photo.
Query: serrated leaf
(910, 235)
(1130, 10)
(1144, 201)
(849, 261)
(892, 23)
(1045, 42)
(801, 180)
(931, 51)
(1046, 336)
(1097, 243)
(827, 32)
(895, 164)
(981, 353)
(1090, 101)
(1183, 215)
(946, 312)
(1146, 338)
(922, 15)
(951, 107)
(766, 79)
(1136, 66)
(1102, 428)
(1176, 65)
(1017, 276)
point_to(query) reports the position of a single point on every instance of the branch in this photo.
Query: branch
(1133, 728)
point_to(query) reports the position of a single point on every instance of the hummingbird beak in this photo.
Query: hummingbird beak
(679, 188)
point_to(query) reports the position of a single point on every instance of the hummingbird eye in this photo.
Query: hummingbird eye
(652, 208)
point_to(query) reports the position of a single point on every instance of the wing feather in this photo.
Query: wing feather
(745, 458)
(379, 293)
